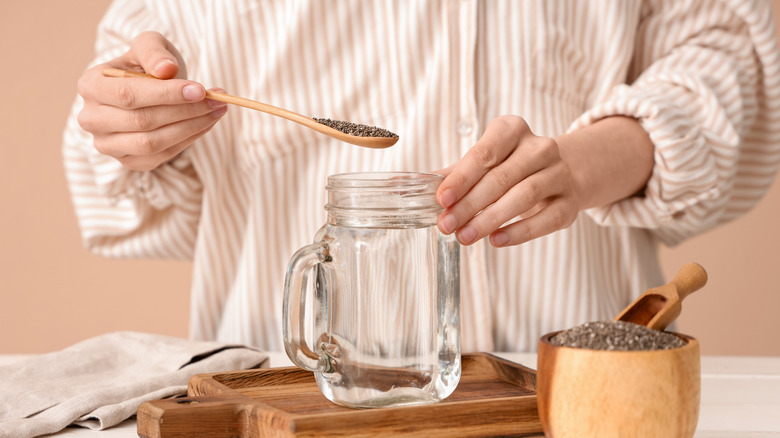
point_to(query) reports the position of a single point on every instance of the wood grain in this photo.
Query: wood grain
(495, 397)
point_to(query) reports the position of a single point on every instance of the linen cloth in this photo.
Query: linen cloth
(701, 76)
(100, 382)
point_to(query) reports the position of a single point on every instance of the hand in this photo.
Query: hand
(508, 173)
(144, 123)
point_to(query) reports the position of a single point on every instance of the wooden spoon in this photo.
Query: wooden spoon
(368, 142)
(658, 307)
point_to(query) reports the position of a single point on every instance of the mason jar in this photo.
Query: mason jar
(372, 307)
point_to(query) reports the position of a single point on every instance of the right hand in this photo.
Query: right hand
(145, 123)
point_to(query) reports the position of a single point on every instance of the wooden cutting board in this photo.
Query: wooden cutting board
(495, 397)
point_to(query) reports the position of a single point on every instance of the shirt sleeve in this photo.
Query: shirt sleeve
(124, 213)
(705, 84)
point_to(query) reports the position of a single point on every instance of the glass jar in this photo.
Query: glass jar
(384, 315)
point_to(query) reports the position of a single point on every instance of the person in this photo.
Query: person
(575, 137)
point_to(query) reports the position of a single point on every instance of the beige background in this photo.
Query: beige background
(53, 293)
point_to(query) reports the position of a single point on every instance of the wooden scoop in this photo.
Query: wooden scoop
(658, 307)
(358, 140)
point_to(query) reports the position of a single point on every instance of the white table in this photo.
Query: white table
(740, 397)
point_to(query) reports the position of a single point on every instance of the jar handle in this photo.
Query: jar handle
(293, 310)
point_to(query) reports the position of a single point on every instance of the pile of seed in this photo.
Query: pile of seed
(616, 335)
(356, 129)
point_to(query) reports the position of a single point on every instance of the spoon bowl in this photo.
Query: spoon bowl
(357, 140)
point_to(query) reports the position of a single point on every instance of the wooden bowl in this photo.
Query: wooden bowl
(595, 393)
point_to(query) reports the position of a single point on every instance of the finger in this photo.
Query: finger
(155, 55)
(534, 155)
(499, 140)
(150, 162)
(216, 104)
(559, 214)
(516, 201)
(443, 172)
(120, 145)
(106, 119)
(132, 93)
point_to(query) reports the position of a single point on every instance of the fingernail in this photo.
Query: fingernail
(161, 65)
(216, 103)
(467, 234)
(499, 239)
(193, 92)
(448, 197)
(217, 113)
(449, 223)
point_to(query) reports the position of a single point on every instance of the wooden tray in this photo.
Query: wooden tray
(495, 397)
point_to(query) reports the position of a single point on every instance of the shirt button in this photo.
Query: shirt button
(465, 128)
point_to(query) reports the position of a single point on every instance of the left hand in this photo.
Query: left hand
(508, 173)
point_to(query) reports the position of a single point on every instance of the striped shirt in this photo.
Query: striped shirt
(702, 77)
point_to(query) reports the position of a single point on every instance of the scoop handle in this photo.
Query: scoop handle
(690, 278)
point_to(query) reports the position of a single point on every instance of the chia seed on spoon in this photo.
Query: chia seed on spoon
(356, 129)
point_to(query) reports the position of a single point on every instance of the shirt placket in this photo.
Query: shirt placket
(466, 39)
(475, 313)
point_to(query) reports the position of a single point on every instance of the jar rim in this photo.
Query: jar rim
(383, 199)
(381, 179)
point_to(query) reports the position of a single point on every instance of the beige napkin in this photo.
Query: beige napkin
(100, 382)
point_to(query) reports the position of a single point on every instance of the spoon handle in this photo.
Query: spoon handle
(118, 73)
(260, 106)
(367, 142)
(223, 97)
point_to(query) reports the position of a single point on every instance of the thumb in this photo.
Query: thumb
(156, 56)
